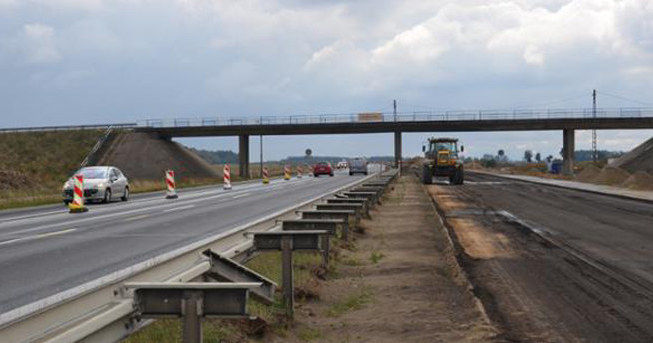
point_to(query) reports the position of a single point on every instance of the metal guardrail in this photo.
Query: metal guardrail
(91, 155)
(102, 310)
(380, 117)
(455, 115)
(70, 128)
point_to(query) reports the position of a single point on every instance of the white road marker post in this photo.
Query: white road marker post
(170, 182)
(77, 205)
(286, 172)
(227, 177)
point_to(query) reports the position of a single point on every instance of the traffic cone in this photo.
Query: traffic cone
(77, 206)
(170, 182)
(227, 176)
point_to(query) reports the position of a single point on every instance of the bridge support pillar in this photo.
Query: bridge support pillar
(568, 148)
(397, 148)
(243, 156)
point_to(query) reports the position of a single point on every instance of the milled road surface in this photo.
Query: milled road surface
(46, 250)
(589, 280)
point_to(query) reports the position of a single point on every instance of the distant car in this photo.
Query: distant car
(101, 183)
(357, 165)
(342, 165)
(322, 168)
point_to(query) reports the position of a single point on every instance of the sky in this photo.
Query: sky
(66, 62)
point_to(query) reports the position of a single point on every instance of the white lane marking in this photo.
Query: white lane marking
(142, 216)
(179, 208)
(29, 216)
(190, 194)
(167, 203)
(241, 195)
(39, 236)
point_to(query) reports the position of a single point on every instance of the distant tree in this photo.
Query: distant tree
(528, 156)
(488, 161)
(538, 157)
(549, 158)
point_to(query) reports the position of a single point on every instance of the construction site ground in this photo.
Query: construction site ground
(552, 265)
(400, 284)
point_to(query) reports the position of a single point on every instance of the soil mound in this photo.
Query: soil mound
(611, 176)
(638, 159)
(145, 156)
(588, 174)
(639, 181)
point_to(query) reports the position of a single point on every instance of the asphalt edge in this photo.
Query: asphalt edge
(510, 177)
(459, 257)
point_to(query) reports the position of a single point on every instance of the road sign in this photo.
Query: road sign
(309, 152)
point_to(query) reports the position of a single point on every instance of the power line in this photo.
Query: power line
(626, 99)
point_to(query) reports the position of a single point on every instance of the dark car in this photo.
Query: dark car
(322, 168)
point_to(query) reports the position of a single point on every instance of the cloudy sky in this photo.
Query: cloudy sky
(101, 61)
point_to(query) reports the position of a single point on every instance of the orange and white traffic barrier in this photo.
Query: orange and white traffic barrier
(310, 171)
(227, 176)
(286, 172)
(77, 206)
(299, 171)
(170, 182)
(266, 175)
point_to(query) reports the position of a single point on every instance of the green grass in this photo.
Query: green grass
(34, 165)
(308, 334)
(351, 302)
(376, 256)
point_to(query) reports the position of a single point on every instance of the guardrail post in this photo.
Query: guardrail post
(192, 310)
(287, 274)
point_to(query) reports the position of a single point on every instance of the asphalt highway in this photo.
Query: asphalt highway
(46, 250)
(615, 231)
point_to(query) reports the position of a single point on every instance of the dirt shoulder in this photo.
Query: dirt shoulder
(401, 284)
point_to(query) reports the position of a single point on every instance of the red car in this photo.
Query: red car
(322, 168)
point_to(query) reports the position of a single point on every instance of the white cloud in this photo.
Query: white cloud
(40, 43)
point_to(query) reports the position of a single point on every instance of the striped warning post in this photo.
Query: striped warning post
(170, 182)
(286, 172)
(299, 171)
(310, 170)
(77, 205)
(227, 176)
(266, 175)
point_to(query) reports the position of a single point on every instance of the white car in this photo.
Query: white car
(101, 183)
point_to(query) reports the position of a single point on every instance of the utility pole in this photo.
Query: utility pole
(394, 104)
(595, 153)
(260, 139)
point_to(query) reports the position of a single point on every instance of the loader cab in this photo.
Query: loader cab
(435, 146)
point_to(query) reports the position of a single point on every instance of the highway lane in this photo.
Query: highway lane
(48, 250)
(614, 231)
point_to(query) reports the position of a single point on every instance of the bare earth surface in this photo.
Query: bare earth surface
(536, 291)
(400, 285)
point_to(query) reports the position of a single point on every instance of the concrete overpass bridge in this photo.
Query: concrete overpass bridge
(565, 120)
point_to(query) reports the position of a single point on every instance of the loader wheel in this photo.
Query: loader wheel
(458, 177)
(427, 178)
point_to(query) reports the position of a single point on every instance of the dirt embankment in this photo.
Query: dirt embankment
(638, 159)
(146, 157)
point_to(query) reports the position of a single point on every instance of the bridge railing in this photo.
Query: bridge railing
(375, 117)
(454, 115)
